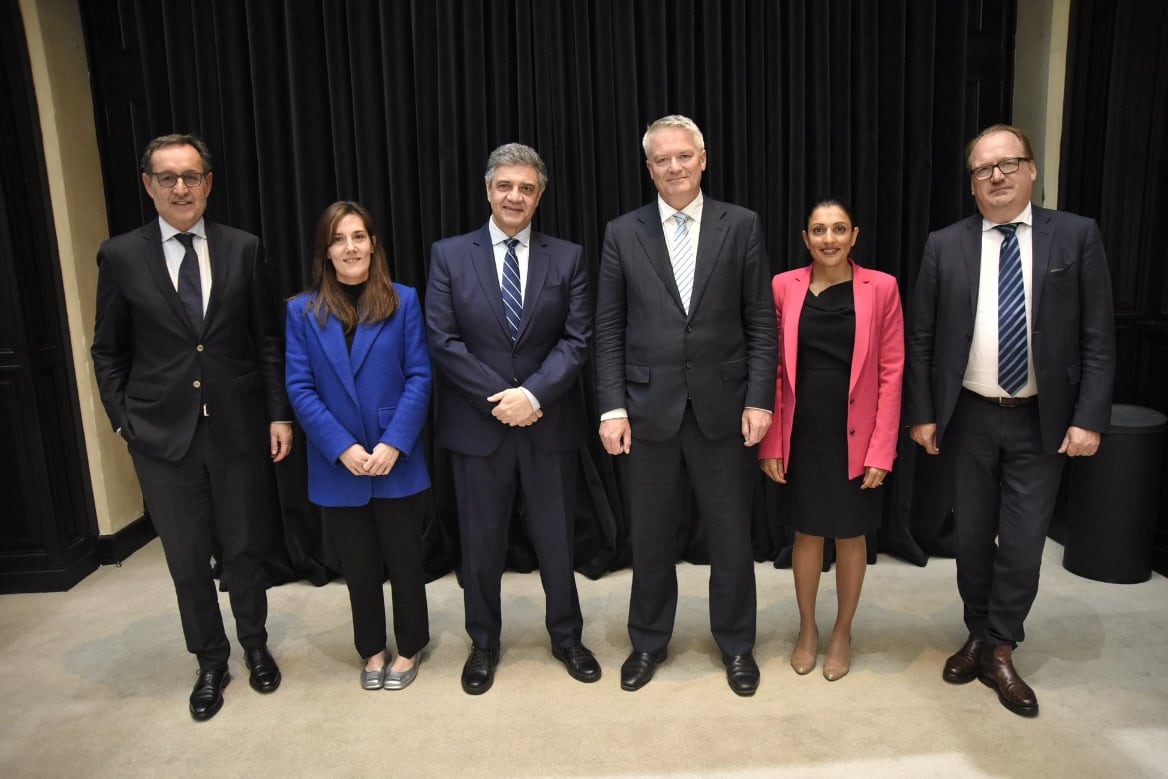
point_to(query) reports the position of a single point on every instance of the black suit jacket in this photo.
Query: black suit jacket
(651, 356)
(156, 374)
(1073, 329)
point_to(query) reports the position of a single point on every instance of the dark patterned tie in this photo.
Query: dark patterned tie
(190, 287)
(512, 297)
(1012, 355)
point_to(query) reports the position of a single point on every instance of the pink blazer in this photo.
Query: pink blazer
(877, 368)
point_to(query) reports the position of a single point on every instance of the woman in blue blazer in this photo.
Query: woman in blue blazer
(358, 376)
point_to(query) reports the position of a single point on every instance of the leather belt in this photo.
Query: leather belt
(1004, 402)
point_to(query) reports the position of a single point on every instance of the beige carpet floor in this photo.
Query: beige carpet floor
(95, 681)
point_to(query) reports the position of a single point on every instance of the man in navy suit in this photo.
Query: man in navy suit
(190, 364)
(686, 354)
(508, 315)
(1006, 410)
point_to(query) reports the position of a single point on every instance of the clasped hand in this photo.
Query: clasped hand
(379, 462)
(513, 407)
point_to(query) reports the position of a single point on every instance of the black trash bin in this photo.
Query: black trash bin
(1113, 498)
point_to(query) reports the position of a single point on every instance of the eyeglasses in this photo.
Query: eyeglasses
(1006, 166)
(169, 180)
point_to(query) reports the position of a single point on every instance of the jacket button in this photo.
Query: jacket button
(196, 384)
(689, 366)
(199, 348)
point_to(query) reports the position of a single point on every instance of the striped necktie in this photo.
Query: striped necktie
(683, 260)
(1012, 350)
(512, 296)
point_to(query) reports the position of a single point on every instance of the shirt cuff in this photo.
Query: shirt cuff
(616, 413)
(531, 398)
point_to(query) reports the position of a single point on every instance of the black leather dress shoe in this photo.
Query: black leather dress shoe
(478, 674)
(207, 697)
(742, 673)
(962, 666)
(579, 661)
(638, 669)
(265, 674)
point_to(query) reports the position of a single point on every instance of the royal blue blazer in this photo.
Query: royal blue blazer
(377, 393)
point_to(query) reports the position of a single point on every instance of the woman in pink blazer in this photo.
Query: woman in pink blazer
(841, 332)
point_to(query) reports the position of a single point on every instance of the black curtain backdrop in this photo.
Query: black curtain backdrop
(1115, 170)
(397, 105)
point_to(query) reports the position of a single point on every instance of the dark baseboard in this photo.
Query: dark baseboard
(52, 579)
(113, 549)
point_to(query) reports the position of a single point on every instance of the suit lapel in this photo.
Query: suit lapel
(793, 299)
(652, 240)
(1040, 242)
(538, 260)
(971, 252)
(863, 298)
(483, 260)
(710, 242)
(220, 267)
(154, 259)
(332, 345)
(362, 341)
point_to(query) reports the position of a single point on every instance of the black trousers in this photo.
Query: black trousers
(385, 533)
(208, 496)
(485, 488)
(658, 476)
(1005, 486)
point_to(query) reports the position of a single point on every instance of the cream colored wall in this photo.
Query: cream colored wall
(1040, 66)
(60, 74)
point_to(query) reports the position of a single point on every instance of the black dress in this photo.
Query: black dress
(819, 498)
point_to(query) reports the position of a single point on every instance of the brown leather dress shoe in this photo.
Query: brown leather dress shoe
(997, 671)
(963, 666)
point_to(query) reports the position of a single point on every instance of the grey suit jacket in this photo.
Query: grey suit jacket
(1073, 329)
(157, 374)
(651, 357)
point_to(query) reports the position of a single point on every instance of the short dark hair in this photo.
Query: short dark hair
(177, 139)
(516, 154)
(999, 128)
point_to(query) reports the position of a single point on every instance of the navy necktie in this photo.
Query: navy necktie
(512, 296)
(190, 286)
(1012, 350)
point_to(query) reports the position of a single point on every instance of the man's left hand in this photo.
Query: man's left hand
(1079, 442)
(755, 424)
(514, 408)
(281, 440)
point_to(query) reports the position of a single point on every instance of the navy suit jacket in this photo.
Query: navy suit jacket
(651, 357)
(1073, 329)
(471, 342)
(157, 374)
(376, 393)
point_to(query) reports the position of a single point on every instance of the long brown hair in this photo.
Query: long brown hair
(378, 301)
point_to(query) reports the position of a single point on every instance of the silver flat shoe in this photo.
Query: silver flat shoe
(399, 680)
(372, 680)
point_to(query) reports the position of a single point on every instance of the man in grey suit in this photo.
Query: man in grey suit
(1010, 362)
(190, 364)
(686, 351)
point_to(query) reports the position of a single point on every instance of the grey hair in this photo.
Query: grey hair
(681, 123)
(516, 154)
